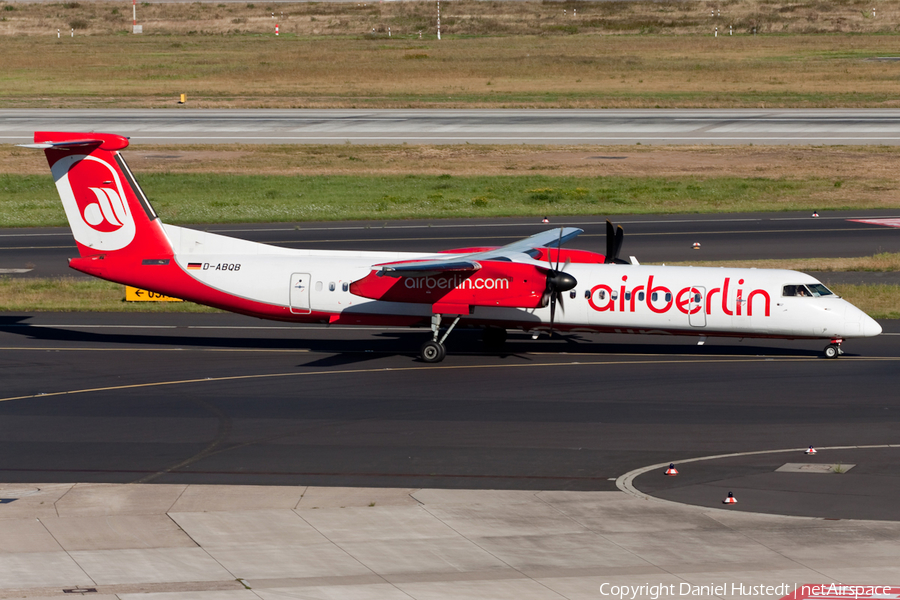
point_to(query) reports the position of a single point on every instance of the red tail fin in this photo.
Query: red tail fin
(106, 208)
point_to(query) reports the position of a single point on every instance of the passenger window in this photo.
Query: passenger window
(331, 287)
(668, 297)
(697, 298)
(628, 296)
(318, 286)
(602, 295)
(345, 286)
(572, 294)
(587, 295)
(614, 295)
(641, 296)
(654, 296)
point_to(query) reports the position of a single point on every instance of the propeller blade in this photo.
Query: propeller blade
(552, 312)
(610, 242)
(549, 258)
(545, 299)
(559, 247)
(557, 283)
(614, 238)
(565, 282)
(620, 237)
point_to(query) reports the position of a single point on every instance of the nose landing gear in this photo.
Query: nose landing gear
(833, 350)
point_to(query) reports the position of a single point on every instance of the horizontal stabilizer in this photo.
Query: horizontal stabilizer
(66, 144)
(44, 140)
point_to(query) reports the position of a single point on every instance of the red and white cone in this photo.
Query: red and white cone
(811, 450)
(730, 499)
(276, 28)
(545, 220)
(672, 470)
(696, 245)
(815, 214)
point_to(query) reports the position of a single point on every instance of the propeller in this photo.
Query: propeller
(558, 281)
(614, 238)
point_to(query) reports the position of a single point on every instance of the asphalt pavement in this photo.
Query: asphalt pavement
(217, 398)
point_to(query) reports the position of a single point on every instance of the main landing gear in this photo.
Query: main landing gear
(833, 350)
(433, 350)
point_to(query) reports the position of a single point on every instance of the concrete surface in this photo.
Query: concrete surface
(197, 542)
(837, 483)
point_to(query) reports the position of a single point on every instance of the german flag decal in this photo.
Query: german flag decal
(195, 266)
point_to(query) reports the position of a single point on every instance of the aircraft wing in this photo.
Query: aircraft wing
(519, 251)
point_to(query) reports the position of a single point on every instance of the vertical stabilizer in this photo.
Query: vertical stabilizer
(106, 208)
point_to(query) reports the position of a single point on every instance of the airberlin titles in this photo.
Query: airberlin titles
(456, 282)
(507, 284)
(689, 300)
(480, 290)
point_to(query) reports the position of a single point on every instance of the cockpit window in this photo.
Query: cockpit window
(811, 290)
(819, 290)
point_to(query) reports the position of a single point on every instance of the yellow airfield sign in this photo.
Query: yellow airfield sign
(133, 294)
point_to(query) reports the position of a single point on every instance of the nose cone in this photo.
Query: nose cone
(870, 327)
(856, 323)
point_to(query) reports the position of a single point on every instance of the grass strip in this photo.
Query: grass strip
(32, 201)
(69, 294)
(220, 64)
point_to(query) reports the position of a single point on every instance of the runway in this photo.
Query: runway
(651, 238)
(604, 127)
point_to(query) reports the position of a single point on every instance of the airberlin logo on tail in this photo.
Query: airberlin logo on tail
(107, 213)
(95, 201)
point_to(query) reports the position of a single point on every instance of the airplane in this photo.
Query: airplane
(520, 286)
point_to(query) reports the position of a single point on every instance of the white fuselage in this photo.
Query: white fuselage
(618, 298)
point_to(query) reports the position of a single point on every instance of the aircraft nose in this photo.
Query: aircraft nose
(870, 327)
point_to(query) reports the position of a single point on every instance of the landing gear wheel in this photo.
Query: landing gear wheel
(433, 352)
(832, 351)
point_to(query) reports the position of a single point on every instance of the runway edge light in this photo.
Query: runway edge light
(810, 450)
(672, 470)
(730, 499)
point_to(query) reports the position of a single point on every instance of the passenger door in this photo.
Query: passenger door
(299, 298)
(698, 318)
